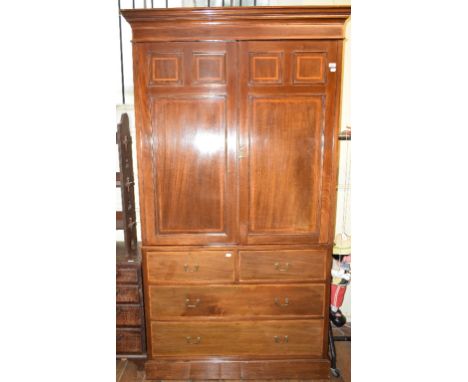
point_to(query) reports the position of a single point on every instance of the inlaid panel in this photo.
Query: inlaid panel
(309, 67)
(166, 69)
(209, 68)
(266, 67)
(190, 139)
(285, 164)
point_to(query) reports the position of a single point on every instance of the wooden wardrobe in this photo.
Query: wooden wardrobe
(237, 117)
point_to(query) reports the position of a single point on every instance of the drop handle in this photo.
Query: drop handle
(190, 304)
(195, 268)
(281, 339)
(282, 304)
(279, 268)
(193, 340)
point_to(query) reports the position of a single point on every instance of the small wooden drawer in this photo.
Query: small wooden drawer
(190, 267)
(217, 301)
(244, 338)
(126, 275)
(128, 294)
(283, 265)
(128, 315)
(129, 341)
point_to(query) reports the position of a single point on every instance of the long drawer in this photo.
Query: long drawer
(243, 338)
(189, 267)
(214, 301)
(283, 265)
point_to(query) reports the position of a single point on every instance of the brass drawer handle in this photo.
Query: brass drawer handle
(188, 304)
(281, 339)
(281, 304)
(193, 341)
(195, 268)
(279, 268)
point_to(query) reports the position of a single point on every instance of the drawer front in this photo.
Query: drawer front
(236, 301)
(283, 265)
(292, 370)
(249, 338)
(129, 341)
(126, 275)
(190, 267)
(128, 315)
(128, 294)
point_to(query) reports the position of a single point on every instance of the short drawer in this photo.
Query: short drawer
(190, 267)
(128, 315)
(129, 341)
(128, 294)
(245, 338)
(283, 265)
(126, 275)
(167, 302)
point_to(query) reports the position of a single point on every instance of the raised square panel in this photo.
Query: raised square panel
(165, 69)
(193, 162)
(309, 67)
(287, 132)
(266, 68)
(209, 68)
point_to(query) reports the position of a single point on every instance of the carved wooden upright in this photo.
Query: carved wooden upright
(237, 114)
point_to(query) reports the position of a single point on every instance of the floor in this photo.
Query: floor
(127, 370)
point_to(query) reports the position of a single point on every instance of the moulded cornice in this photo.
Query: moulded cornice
(237, 23)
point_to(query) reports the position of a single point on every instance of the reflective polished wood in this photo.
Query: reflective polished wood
(237, 115)
(243, 338)
(236, 302)
(188, 149)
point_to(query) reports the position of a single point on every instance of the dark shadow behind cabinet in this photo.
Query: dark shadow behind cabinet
(237, 115)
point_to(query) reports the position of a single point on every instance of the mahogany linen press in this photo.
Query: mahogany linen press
(237, 117)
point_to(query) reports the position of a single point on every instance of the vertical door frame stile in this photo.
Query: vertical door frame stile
(234, 47)
(139, 80)
(232, 96)
(243, 143)
(335, 153)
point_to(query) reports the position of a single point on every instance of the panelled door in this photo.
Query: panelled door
(189, 162)
(286, 137)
